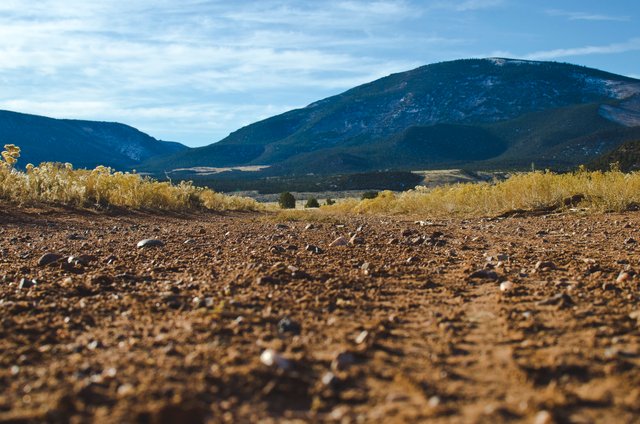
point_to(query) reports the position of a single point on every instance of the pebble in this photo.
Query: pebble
(485, 274)
(544, 265)
(340, 241)
(277, 249)
(271, 358)
(356, 240)
(560, 299)
(150, 243)
(624, 276)
(282, 226)
(25, 283)
(309, 227)
(506, 286)
(329, 379)
(125, 389)
(342, 361)
(48, 258)
(543, 417)
(83, 260)
(313, 249)
(362, 337)
(287, 325)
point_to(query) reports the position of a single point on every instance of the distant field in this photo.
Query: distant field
(208, 170)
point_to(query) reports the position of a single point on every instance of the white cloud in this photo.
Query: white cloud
(585, 16)
(98, 60)
(630, 45)
(476, 5)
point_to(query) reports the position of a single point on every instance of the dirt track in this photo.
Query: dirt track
(408, 327)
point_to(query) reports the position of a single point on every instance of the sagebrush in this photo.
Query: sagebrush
(60, 183)
(597, 191)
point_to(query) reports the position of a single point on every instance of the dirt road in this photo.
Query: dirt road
(240, 318)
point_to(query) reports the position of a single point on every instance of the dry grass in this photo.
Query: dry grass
(598, 191)
(60, 183)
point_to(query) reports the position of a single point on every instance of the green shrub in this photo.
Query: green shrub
(329, 202)
(369, 195)
(312, 203)
(287, 201)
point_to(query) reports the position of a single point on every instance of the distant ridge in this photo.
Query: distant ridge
(493, 112)
(85, 144)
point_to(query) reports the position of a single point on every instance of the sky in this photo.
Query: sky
(195, 70)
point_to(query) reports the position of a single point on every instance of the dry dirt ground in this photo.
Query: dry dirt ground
(407, 324)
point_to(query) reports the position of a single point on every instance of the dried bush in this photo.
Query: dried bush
(60, 183)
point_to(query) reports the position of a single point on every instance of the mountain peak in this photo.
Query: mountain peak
(431, 115)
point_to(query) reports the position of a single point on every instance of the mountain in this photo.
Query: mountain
(85, 144)
(626, 156)
(476, 112)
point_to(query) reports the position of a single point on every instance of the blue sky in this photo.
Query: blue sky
(195, 70)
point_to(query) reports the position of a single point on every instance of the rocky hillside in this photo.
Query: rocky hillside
(626, 157)
(82, 143)
(478, 111)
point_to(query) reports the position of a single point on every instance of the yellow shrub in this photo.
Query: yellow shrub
(60, 183)
(601, 191)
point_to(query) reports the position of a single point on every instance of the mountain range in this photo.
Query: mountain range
(85, 144)
(490, 113)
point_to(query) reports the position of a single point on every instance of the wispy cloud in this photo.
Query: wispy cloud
(627, 46)
(201, 65)
(586, 16)
(476, 4)
(195, 70)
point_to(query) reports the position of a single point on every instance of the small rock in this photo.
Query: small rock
(630, 240)
(189, 241)
(560, 299)
(48, 258)
(340, 241)
(506, 286)
(408, 232)
(286, 325)
(271, 358)
(329, 379)
(83, 260)
(25, 283)
(362, 337)
(543, 417)
(125, 389)
(309, 227)
(277, 249)
(484, 274)
(544, 265)
(624, 276)
(412, 259)
(635, 315)
(313, 249)
(434, 401)
(342, 361)
(282, 226)
(150, 243)
(356, 240)
(266, 279)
